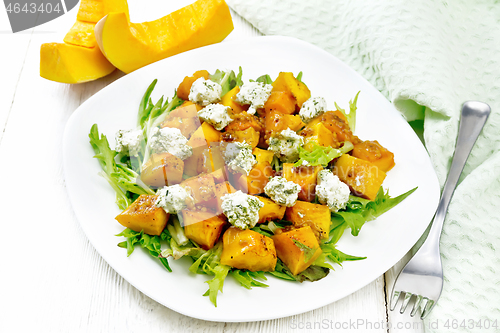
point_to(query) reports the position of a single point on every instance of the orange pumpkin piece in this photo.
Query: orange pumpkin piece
(281, 101)
(185, 86)
(257, 178)
(228, 100)
(187, 126)
(337, 125)
(319, 135)
(363, 178)
(201, 188)
(247, 249)
(249, 135)
(305, 176)
(270, 211)
(143, 214)
(242, 121)
(162, 169)
(373, 152)
(297, 248)
(287, 82)
(204, 135)
(204, 228)
(317, 217)
(276, 122)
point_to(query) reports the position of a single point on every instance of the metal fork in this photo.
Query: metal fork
(422, 276)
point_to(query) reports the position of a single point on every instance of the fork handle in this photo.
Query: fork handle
(473, 117)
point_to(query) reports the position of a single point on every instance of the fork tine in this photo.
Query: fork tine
(427, 309)
(405, 302)
(394, 299)
(416, 306)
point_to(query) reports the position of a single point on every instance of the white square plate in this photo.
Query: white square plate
(384, 241)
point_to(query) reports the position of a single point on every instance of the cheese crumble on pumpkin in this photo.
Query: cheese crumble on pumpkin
(241, 210)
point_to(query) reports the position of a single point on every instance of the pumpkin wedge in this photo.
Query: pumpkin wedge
(130, 46)
(79, 58)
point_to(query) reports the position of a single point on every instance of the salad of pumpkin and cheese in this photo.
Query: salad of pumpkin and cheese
(246, 179)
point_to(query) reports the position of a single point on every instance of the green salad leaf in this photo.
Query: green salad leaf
(227, 80)
(299, 77)
(148, 242)
(106, 157)
(359, 210)
(321, 155)
(248, 279)
(239, 81)
(335, 255)
(146, 105)
(266, 79)
(351, 116)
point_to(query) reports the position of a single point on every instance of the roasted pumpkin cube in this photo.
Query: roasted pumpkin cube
(228, 100)
(242, 121)
(211, 159)
(162, 169)
(270, 211)
(193, 164)
(277, 122)
(221, 190)
(204, 228)
(373, 152)
(247, 249)
(337, 125)
(297, 248)
(305, 176)
(281, 101)
(257, 178)
(219, 175)
(185, 86)
(319, 135)
(186, 110)
(287, 82)
(363, 178)
(262, 155)
(317, 217)
(249, 135)
(143, 214)
(201, 188)
(187, 126)
(204, 135)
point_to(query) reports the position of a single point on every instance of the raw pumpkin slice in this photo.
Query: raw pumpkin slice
(79, 59)
(130, 46)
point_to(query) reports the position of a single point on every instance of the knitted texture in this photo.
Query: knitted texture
(427, 57)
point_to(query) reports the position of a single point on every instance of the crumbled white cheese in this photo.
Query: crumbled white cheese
(331, 191)
(173, 198)
(238, 157)
(312, 108)
(282, 192)
(241, 210)
(216, 115)
(170, 140)
(255, 94)
(205, 92)
(285, 145)
(129, 142)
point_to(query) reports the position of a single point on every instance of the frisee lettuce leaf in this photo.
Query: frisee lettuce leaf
(106, 157)
(321, 155)
(359, 211)
(249, 279)
(239, 81)
(146, 105)
(148, 242)
(266, 79)
(227, 80)
(308, 251)
(351, 116)
(335, 255)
